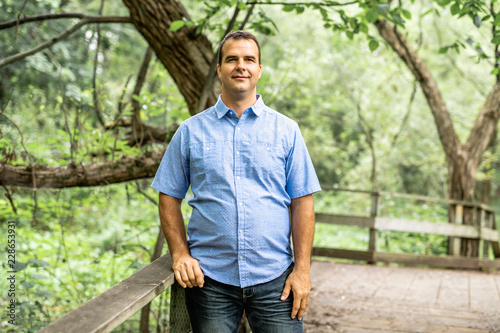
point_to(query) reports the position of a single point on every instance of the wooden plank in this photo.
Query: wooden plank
(453, 291)
(483, 292)
(436, 261)
(454, 242)
(489, 234)
(359, 221)
(373, 233)
(340, 253)
(408, 259)
(111, 308)
(495, 245)
(446, 229)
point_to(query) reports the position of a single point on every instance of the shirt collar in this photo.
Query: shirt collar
(221, 109)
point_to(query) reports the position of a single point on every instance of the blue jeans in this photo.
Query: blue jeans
(218, 307)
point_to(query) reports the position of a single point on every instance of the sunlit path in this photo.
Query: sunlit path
(366, 298)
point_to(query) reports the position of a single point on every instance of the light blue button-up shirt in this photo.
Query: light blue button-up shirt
(243, 174)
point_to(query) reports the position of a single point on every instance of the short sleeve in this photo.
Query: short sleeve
(172, 176)
(301, 178)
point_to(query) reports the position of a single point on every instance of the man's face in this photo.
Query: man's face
(239, 69)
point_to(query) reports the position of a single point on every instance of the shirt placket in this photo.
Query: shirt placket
(239, 167)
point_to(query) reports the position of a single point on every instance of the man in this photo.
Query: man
(246, 164)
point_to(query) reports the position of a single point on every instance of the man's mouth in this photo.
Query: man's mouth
(240, 77)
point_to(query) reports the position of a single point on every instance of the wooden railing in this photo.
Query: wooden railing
(485, 231)
(111, 308)
(108, 310)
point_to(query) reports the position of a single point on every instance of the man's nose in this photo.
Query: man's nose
(240, 64)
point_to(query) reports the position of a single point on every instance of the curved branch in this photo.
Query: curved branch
(442, 118)
(58, 16)
(96, 174)
(137, 125)
(54, 40)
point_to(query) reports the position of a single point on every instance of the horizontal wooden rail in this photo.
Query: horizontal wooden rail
(404, 258)
(447, 229)
(111, 308)
(413, 197)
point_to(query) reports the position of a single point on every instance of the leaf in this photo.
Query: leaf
(363, 28)
(372, 15)
(27, 285)
(443, 50)
(495, 71)
(299, 9)
(19, 266)
(176, 25)
(373, 45)
(496, 40)
(407, 14)
(241, 5)
(497, 20)
(349, 34)
(455, 8)
(38, 262)
(43, 293)
(427, 12)
(288, 8)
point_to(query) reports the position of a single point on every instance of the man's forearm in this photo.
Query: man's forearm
(186, 269)
(172, 224)
(302, 231)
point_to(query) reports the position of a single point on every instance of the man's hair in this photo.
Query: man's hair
(237, 35)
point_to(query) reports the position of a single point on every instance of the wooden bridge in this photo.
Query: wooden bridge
(349, 297)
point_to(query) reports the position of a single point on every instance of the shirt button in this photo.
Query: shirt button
(241, 203)
(268, 148)
(239, 129)
(241, 257)
(238, 177)
(208, 148)
(238, 152)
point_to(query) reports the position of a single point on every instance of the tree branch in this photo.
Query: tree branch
(485, 127)
(322, 4)
(58, 16)
(95, 174)
(54, 40)
(137, 125)
(442, 118)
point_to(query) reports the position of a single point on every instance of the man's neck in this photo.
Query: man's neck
(239, 103)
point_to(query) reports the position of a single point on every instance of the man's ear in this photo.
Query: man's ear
(260, 74)
(218, 70)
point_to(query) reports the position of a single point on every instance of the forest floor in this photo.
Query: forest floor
(368, 298)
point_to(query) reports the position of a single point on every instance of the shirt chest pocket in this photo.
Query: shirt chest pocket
(206, 163)
(269, 159)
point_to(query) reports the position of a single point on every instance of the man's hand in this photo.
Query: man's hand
(299, 282)
(188, 272)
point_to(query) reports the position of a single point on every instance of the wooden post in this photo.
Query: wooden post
(179, 318)
(372, 244)
(480, 220)
(486, 244)
(455, 241)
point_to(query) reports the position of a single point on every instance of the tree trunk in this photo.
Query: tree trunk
(184, 54)
(463, 159)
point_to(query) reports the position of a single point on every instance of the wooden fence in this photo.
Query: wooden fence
(484, 230)
(111, 308)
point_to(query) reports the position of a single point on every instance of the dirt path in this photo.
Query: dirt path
(366, 298)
